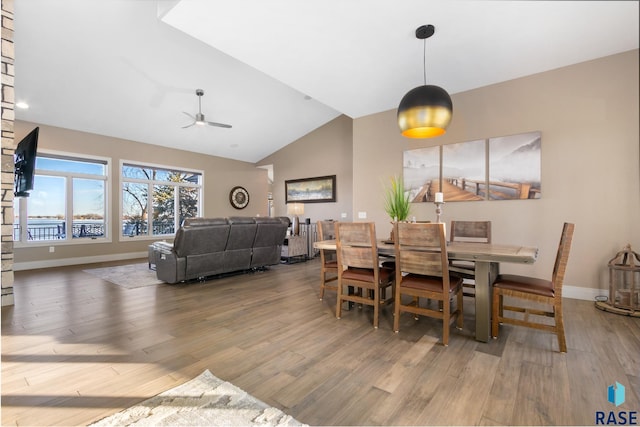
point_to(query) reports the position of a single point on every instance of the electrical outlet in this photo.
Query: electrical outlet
(362, 215)
(52, 248)
(343, 215)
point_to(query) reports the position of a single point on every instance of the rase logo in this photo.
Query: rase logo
(615, 396)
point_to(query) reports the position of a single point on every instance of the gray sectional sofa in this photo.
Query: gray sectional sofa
(206, 247)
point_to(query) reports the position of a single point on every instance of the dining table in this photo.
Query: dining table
(486, 257)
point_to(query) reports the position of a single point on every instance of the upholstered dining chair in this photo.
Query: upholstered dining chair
(328, 258)
(358, 267)
(468, 231)
(422, 271)
(522, 290)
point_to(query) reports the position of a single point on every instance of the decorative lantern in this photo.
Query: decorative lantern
(624, 284)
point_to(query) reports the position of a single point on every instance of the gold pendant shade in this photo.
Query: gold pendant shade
(425, 111)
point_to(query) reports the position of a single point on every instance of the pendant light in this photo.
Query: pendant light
(425, 111)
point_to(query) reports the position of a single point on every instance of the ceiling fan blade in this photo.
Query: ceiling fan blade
(220, 125)
(192, 117)
(188, 126)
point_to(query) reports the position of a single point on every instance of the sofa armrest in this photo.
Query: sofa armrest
(163, 247)
(170, 268)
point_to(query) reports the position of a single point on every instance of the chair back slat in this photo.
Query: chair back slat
(471, 231)
(420, 262)
(562, 258)
(326, 230)
(356, 245)
(421, 249)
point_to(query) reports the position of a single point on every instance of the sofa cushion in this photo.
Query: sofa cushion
(237, 255)
(201, 239)
(270, 235)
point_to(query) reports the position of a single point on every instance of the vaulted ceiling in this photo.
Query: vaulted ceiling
(278, 69)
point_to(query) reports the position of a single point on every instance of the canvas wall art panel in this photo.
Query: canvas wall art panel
(514, 167)
(464, 171)
(421, 173)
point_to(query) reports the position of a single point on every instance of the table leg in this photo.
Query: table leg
(485, 274)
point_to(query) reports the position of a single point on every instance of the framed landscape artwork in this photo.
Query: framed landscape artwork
(514, 167)
(311, 190)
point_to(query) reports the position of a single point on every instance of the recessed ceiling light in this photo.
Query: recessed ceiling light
(22, 105)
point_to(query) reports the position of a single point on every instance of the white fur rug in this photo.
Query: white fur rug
(203, 401)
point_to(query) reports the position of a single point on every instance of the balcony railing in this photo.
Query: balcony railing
(56, 230)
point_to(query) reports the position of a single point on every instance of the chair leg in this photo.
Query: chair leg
(396, 309)
(376, 306)
(446, 320)
(460, 310)
(339, 302)
(322, 282)
(562, 342)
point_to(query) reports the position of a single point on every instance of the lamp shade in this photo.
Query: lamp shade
(295, 209)
(425, 112)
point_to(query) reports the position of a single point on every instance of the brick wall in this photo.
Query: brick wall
(8, 146)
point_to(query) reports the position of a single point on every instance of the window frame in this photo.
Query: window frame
(151, 183)
(22, 242)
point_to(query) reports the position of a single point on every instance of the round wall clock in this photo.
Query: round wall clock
(239, 197)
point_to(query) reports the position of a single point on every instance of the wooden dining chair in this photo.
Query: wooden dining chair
(468, 231)
(523, 289)
(358, 267)
(422, 271)
(328, 258)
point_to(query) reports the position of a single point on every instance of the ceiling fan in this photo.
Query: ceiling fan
(199, 117)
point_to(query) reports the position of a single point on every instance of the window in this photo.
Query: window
(156, 199)
(68, 201)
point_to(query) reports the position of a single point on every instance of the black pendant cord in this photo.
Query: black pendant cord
(424, 60)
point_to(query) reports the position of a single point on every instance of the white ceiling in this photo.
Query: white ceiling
(278, 69)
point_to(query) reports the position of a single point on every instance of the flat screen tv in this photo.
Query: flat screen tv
(24, 160)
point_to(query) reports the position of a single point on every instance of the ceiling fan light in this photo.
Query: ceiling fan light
(425, 112)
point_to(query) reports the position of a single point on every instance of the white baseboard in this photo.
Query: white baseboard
(588, 294)
(32, 265)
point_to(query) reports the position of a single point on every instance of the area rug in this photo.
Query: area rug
(204, 401)
(129, 276)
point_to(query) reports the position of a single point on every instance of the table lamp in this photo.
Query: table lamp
(295, 209)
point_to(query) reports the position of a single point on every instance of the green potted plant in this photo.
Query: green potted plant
(396, 200)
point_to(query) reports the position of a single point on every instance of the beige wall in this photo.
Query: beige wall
(325, 151)
(588, 116)
(220, 175)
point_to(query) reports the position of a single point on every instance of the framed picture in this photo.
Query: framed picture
(311, 190)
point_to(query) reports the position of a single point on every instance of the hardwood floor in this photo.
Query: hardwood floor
(76, 348)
